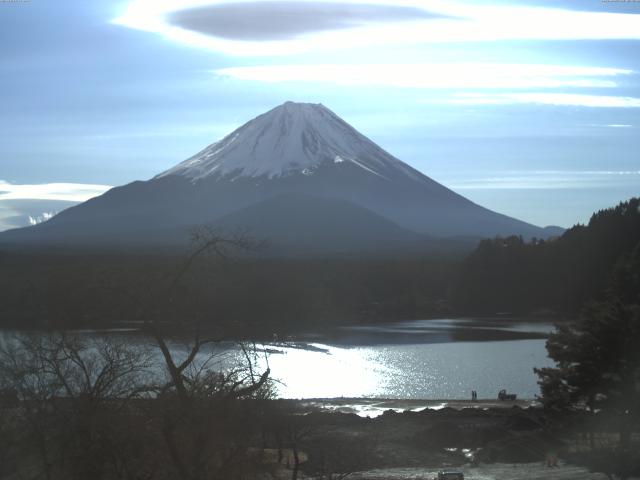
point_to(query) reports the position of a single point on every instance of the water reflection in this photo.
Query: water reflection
(423, 359)
(413, 371)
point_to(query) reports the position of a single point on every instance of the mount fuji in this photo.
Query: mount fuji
(298, 176)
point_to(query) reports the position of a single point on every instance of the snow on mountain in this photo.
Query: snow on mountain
(293, 138)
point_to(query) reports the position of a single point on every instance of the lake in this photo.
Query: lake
(421, 359)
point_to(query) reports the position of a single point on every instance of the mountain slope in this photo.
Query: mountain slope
(292, 150)
(299, 224)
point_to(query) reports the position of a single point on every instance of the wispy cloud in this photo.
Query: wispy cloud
(73, 192)
(560, 99)
(608, 125)
(458, 21)
(548, 180)
(435, 75)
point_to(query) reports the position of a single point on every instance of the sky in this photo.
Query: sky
(529, 107)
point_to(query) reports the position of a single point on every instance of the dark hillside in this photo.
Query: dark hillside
(510, 274)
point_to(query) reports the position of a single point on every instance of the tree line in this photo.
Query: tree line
(244, 295)
(558, 275)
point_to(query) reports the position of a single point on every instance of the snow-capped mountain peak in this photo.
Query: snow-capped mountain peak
(293, 138)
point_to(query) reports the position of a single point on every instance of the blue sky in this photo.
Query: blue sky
(530, 108)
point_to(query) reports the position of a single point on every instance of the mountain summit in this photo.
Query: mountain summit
(292, 138)
(298, 176)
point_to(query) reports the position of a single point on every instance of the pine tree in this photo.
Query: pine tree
(598, 356)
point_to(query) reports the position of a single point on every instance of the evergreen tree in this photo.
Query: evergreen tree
(598, 367)
(597, 360)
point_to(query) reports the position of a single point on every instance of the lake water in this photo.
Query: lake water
(422, 359)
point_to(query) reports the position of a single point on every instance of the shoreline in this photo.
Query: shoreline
(374, 407)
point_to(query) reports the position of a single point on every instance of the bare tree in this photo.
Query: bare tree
(206, 241)
(71, 392)
(91, 407)
(204, 421)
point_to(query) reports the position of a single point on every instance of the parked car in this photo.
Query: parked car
(503, 395)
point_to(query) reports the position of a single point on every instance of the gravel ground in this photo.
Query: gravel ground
(497, 471)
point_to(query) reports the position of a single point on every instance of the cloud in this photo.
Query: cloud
(73, 192)
(442, 21)
(22, 205)
(558, 99)
(34, 220)
(9, 217)
(23, 213)
(550, 180)
(435, 75)
(608, 125)
(272, 20)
